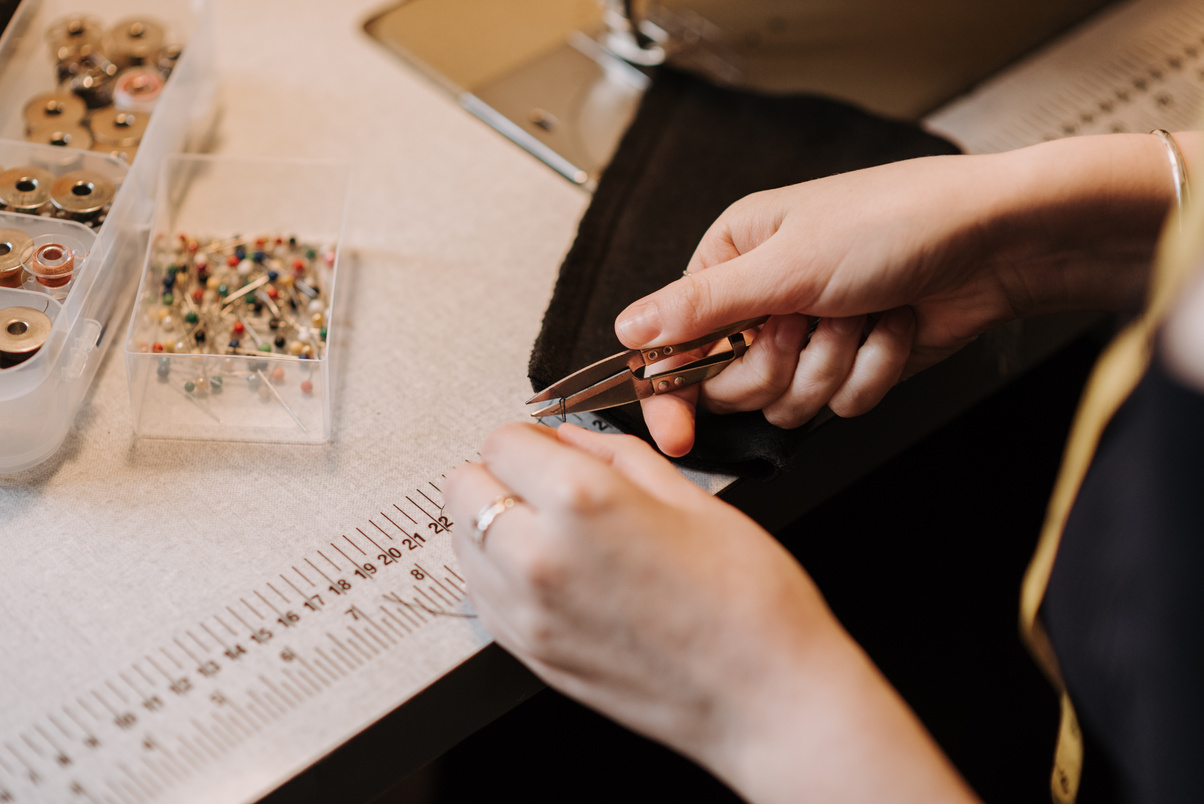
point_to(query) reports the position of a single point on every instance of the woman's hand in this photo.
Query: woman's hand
(625, 586)
(903, 264)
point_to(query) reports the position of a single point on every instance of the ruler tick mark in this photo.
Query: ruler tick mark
(333, 664)
(403, 513)
(198, 642)
(369, 538)
(130, 684)
(364, 646)
(350, 657)
(378, 527)
(319, 676)
(336, 566)
(187, 653)
(171, 658)
(389, 615)
(295, 678)
(378, 628)
(155, 665)
(387, 620)
(307, 580)
(277, 591)
(36, 751)
(251, 608)
(323, 574)
(216, 638)
(104, 703)
(56, 724)
(145, 677)
(269, 605)
(344, 555)
(437, 594)
(294, 587)
(116, 691)
(423, 510)
(422, 592)
(263, 702)
(277, 691)
(438, 507)
(240, 619)
(353, 544)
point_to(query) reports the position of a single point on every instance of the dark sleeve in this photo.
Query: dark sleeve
(1125, 602)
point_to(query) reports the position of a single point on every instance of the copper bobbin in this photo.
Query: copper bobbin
(23, 331)
(59, 109)
(82, 194)
(138, 89)
(16, 247)
(134, 41)
(25, 189)
(116, 127)
(52, 265)
(62, 136)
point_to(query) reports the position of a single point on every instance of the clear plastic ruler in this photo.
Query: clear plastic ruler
(226, 704)
(197, 716)
(1136, 66)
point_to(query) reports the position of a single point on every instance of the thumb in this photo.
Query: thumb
(747, 286)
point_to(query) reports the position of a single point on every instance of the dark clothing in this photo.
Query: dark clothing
(1124, 608)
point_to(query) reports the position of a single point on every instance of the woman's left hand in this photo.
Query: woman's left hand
(625, 586)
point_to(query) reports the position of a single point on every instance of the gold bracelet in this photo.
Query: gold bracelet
(1178, 169)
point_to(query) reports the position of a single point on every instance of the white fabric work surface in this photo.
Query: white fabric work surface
(122, 556)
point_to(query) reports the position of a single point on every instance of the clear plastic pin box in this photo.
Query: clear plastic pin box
(231, 335)
(40, 396)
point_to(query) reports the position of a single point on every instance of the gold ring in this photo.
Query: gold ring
(488, 514)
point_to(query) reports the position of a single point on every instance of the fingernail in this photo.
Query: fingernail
(639, 324)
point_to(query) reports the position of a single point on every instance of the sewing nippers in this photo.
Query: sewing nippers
(623, 378)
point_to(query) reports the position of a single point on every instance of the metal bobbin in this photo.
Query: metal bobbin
(16, 248)
(71, 39)
(25, 189)
(75, 30)
(134, 41)
(76, 136)
(23, 331)
(92, 79)
(116, 127)
(123, 152)
(168, 58)
(52, 264)
(59, 109)
(82, 194)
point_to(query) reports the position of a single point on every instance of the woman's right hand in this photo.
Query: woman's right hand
(902, 264)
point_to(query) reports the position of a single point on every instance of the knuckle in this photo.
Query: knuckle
(581, 494)
(498, 440)
(853, 401)
(695, 300)
(788, 417)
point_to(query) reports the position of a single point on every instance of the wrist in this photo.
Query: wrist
(1075, 222)
(825, 725)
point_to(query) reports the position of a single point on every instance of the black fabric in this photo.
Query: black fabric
(692, 150)
(1125, 603)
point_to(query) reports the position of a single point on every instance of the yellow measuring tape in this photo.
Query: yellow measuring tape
(1113, 379)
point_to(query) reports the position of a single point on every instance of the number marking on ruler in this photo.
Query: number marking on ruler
(189, 704)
